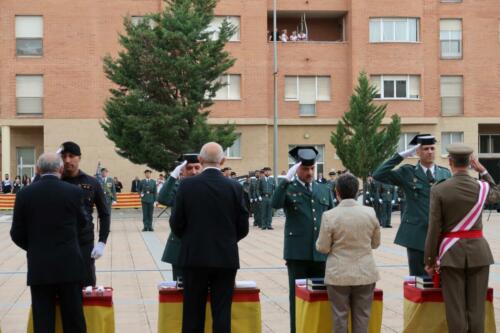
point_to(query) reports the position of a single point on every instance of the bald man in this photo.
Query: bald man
(209, 230)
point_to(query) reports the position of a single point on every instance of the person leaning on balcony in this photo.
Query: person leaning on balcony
(294, 37)
(348, 234)
(284, 36)
(302, 36)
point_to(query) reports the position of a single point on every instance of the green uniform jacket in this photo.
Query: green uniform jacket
(108, 185)
(147, 189)
(413, 181)
(252, 189)
(265, 186)
(386, 192)
(167, 198)
(303, 211)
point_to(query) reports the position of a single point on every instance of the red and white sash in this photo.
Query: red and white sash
(468, 221)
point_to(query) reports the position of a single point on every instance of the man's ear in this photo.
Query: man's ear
(223, 161)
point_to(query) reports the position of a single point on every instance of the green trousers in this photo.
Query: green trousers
(258, 214)
(147, 214)
(266, 212)
(385, 213)
(301, 269)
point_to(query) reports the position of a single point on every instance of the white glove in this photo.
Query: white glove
(251, 200)
(399, 199)
(393, 202)
(410, 152)
(98, 250)
(292, 171)
(260, 198)
(113, 203)
(380, 200)
(177, 171)
(367, 201)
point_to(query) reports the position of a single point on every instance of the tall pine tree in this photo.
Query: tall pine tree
(165, 78)
(361, 142)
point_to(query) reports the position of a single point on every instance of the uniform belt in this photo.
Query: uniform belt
(267, 195)
(469, 234)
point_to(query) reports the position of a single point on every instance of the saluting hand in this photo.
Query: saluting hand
(476, 165)
(292, 171)
(410, 152)
(177, 171)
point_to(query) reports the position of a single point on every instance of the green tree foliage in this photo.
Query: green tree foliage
(164, 79)
(362, 143)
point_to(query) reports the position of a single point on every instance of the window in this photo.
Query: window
(448, 138)
(451, 38)
(389, 29)
(452, 95)
(397, 86)
(231, 88)
(307, 90)
(451, 1)
(29, 94)
(25, 161)
(320, 160)
(235, 150)
(29, 35)
(216, 24)
(404, 140)
(489, 144)
(136, 20)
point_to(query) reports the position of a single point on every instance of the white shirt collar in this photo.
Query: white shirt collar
(432, 168)
(303, 184)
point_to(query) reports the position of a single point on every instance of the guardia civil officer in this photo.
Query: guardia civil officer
(147, 191)
(93, 195)
(416, 182)
(304, 202)
(188, 168)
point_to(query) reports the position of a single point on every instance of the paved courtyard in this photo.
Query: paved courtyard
(132, 266)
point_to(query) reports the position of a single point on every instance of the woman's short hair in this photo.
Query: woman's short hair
(347, 186)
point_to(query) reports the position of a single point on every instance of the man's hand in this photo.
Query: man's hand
(292, 171)
(476, 165)
(410, 152)
(177, 171)
(430, 270)
(260, 198)
(251, 200)
(98, 250)
(393, 202)
(380, 200)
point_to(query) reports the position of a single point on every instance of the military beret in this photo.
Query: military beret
(71, 148)
(459, 149)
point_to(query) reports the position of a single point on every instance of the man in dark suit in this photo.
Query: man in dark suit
(47, 217)
(209, 230)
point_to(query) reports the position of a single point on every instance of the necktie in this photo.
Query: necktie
(430, 177)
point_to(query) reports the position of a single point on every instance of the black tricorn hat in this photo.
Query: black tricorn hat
(190, 158)
(305, 154)
(423, 139)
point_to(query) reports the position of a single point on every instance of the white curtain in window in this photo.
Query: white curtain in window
(29, 86)
(451, 86)
(291, 88)
(450, 25)
(307, 90)
(375, 80)
(29, 27)
(234, 86)
(323, 88)
(414, 86)
(222, 93)
(235, 21)
(375, 33)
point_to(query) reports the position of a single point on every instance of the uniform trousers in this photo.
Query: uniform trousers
(196, 281)
(89, 278)
(43, 300)
(416, 262)
(354, 299)
(464, 294)
(301, 269)
(147, 214)
(266, 212)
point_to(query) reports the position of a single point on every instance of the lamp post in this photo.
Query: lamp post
(275, 77)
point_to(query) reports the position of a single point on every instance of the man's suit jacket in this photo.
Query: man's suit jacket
(210, 217)
(47, 217)
(451, 200)
(348, 234)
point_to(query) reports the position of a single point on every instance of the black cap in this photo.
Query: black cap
(71, 148)
(104, 169)
(190, 158)
(305, 154)
(423, 139)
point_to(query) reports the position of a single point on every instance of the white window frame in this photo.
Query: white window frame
(40, 37)
(228, 151)
(490, 145)
(25, 166)
(450, 133)
(408, 88)
(297, 77)
(461, 96)
(228, 78)
(381, 20)
(461, 45)
(407, 137)
(41, 98)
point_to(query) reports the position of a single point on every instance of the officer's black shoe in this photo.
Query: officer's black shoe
(270, 228)
(144, 229)
(388, 226)
(151, 229)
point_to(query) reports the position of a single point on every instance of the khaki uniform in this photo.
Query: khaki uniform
(465, 266)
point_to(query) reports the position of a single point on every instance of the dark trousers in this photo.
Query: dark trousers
(301, 269)
(89, 263)
(196, 283)
(385, 213)
(147, 214)
(464, 294)
(43, 300)
(416, 262)
(266, 212)
(257, 216)
(176, 272)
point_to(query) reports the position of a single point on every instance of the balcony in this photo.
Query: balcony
(309, 26)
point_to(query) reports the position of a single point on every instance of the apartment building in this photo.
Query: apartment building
(435, 63)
